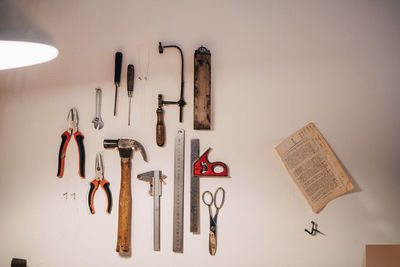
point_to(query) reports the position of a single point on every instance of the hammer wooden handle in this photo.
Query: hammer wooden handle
(125, 208)
(160, 128)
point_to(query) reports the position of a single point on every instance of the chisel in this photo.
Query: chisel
(130, 79)
(117, 77)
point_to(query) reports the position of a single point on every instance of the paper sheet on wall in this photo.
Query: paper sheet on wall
(314, 167)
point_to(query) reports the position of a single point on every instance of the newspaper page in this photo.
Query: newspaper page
(314, 167)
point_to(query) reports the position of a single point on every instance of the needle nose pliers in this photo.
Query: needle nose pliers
(66, 136)
(94, 185)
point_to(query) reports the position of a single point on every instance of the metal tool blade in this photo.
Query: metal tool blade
(194, 189)
(156, 209)
(155, 179)
(146, 177)
(138, 146)
(129, 111)
(177, 244)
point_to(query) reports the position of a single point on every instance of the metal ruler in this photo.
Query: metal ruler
(177, 244)
(156, 209)
(194, 189)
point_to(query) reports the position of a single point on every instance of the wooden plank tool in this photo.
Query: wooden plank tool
(202, 89)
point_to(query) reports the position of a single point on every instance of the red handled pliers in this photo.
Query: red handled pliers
(94, 185)
(66, 136)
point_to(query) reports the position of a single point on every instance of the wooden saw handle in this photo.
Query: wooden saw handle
(125, 208)
(160, 128)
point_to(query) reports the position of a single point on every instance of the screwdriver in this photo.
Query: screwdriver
(130, 80)
(117, 77)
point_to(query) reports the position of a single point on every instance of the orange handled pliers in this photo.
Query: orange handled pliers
(65, 137)
(94, 185)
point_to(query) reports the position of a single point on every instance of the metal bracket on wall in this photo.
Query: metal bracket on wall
(314, 229)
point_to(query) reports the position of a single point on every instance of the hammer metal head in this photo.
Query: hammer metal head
(125, 147)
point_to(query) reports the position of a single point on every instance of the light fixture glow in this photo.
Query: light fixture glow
(14, 54)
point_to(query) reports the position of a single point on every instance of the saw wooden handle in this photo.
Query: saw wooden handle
(160, 128)
(125, 208)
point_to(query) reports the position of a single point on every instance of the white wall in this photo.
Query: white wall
(276, 65)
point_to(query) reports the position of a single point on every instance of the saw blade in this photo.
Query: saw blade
(177, 244)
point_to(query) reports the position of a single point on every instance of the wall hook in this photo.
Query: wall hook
(314, 229)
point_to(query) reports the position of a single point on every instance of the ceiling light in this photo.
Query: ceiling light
(22, 43)
(15, 54)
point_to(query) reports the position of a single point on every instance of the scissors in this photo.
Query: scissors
(212, 243)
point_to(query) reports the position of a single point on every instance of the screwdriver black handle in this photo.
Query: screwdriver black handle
(117, 77)
(118, 65)
(130, 79)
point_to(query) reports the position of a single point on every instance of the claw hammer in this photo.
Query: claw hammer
(125, 148)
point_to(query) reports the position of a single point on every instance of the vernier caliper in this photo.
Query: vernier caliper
(155, 178)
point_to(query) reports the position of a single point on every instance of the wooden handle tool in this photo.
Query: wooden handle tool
(160, 127)
(125, 208)
(125, 148)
